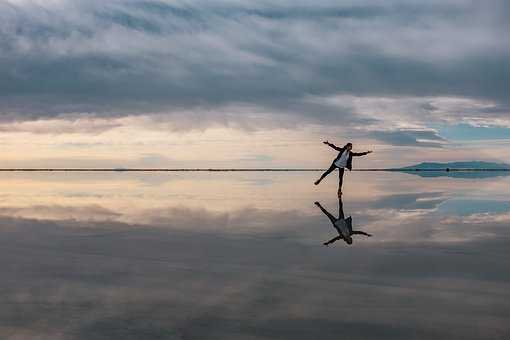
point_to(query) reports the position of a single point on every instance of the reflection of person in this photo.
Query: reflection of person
(342, 161)
(342, 225)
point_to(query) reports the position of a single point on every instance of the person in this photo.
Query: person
(342, 225)
(342, 161)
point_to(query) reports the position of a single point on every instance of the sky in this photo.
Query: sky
(238, 83)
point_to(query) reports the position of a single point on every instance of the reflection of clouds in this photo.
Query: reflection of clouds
(409, 201)
(408, 217)
(185, 260)
(416, 227)
(470, 206)
(395, 217)
(57, 212)
(114, 258)
(417, 220)
(433, 217)
(474, 226)
(488, 217)
(129, 193)
(197, 282)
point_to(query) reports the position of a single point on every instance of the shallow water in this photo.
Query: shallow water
(241, 256)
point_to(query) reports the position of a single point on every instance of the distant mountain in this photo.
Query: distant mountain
(434, 169)
(478, 165)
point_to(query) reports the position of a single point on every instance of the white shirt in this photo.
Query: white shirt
(342, 161)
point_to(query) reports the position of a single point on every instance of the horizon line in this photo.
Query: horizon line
(234, 169)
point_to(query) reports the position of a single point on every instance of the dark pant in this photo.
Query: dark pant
(330, 170)
(340, 178)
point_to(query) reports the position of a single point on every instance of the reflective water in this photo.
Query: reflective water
(242, 256)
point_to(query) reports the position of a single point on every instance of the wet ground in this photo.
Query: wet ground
(242, 256)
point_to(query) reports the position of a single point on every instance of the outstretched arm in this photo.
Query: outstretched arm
(332, 240)
(361, 153)
(358, 232)
(332, 145)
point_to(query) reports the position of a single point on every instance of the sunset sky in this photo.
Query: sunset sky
(161, 83)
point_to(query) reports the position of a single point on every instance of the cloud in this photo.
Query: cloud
(197, 58)
(409, 137)
(80, 124)
(57, 212)
(257, 158)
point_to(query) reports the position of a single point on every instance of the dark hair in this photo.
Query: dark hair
(347, 145)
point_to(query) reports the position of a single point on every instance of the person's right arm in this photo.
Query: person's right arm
(332, 145)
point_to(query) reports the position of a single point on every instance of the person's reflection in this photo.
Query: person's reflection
(342, 225)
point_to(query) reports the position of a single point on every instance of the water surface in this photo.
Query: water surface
(241, 256)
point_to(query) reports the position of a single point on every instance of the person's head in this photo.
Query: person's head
(348, 146)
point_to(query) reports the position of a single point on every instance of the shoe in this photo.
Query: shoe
(316, 182)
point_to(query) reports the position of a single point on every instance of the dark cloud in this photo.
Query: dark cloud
(123, 57)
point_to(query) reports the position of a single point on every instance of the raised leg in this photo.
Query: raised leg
(325, 212)
(327, 172)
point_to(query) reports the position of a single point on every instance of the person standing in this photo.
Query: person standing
(342, 161)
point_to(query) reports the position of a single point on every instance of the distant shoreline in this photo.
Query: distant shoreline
(234, 170)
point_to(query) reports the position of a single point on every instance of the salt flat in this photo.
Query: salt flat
(241, 256)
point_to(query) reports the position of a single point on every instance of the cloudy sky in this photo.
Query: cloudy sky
(238, 83)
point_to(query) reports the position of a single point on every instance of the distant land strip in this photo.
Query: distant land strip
(228, 170)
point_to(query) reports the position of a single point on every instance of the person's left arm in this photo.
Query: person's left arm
(332, 146)
(361, 153)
